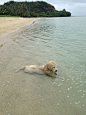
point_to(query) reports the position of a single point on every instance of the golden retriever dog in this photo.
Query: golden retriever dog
(49, 69)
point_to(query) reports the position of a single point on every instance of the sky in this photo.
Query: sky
(76, 7)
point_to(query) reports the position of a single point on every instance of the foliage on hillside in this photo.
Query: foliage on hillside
(31, 9)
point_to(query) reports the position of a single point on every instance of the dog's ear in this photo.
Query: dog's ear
(49, 67)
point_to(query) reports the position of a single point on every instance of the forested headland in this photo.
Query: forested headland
(31, 9)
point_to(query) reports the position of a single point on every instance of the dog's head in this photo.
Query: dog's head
(51, 67)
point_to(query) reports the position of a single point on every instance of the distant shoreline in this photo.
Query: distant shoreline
(11, 24)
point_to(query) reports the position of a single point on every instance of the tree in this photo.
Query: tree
(31, 9)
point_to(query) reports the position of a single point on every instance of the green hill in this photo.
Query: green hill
(31, 9)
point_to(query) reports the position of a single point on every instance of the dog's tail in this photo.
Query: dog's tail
(21, 68)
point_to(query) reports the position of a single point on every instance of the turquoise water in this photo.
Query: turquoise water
(62, 40)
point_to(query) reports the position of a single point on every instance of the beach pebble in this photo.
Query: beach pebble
(68, 88)
(57, 103)
(68, 96)
(81, 81)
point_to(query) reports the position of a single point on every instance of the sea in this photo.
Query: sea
(61, 39)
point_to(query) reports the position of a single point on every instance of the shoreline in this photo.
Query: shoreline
(12, 24)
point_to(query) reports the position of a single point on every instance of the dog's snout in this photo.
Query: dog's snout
(55, 70)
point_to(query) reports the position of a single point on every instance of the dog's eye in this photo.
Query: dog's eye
(53, 67)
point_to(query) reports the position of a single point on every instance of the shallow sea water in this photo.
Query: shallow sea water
(62, 40)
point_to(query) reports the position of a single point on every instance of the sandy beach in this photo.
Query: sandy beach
(11, 24)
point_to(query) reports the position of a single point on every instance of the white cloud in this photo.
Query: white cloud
(76, 9)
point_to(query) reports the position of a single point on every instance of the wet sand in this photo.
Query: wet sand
(11, 24)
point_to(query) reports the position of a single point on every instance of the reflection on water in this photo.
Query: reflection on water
(59, 39)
